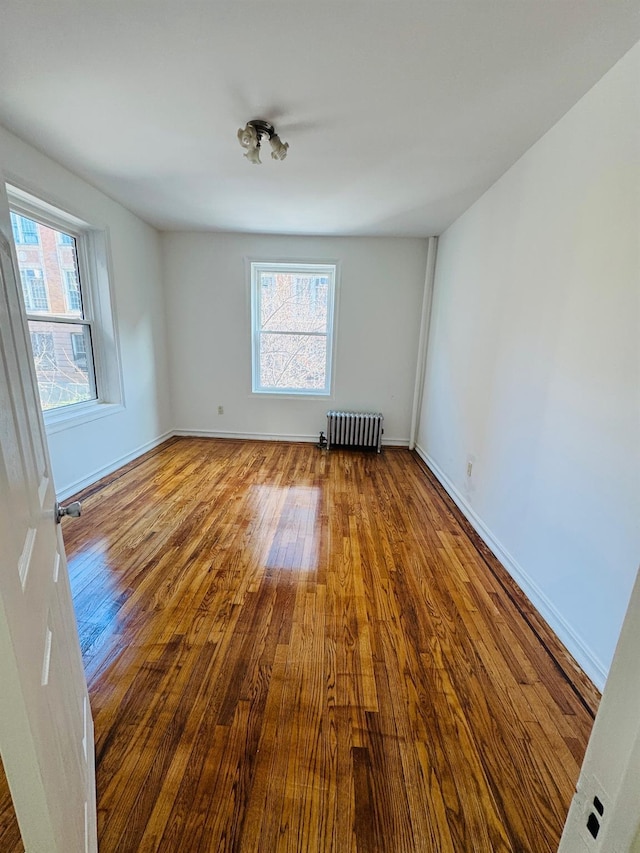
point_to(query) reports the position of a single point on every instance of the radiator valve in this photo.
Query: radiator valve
(322, 441)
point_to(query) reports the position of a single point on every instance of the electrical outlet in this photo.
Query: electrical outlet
(221, 410)
(595, 808)
(469, 468)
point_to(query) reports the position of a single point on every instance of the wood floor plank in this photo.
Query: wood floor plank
(290, 649)
(10, 838)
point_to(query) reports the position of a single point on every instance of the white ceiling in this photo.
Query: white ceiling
(399, 114)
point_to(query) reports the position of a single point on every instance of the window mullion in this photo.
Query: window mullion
(293, 334)
(70, 320)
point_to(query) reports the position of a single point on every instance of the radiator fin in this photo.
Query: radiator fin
(354, 429)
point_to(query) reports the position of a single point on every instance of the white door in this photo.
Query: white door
(46, 729)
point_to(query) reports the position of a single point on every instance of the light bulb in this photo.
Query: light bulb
(247, 136)
(278, 148)
(253, 155)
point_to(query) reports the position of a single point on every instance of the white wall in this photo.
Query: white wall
(534, 366)
(80, 454)
(378, 304)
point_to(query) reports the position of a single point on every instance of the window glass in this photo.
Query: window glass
(292, 311)
(62, 367)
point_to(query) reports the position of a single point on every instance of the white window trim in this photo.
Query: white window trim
(93, 263)
(332, 267)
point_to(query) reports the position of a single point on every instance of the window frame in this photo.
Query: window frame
(97, 306)
(306, 267)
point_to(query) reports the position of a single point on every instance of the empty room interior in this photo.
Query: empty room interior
(320, 426)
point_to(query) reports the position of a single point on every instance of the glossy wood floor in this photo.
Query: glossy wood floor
(289, 649)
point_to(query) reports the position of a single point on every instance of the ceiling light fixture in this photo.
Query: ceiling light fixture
(253, 134)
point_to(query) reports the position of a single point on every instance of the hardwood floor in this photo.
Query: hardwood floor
(289, 649)
(10, 839)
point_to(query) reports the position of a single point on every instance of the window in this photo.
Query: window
(24, 230)
(68, 310)
(62, 379)
(292, 327)
(34, 290)
(72, 292)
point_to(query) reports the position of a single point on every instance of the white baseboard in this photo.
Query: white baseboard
(73, 488)
(247, 436)
(577, 647)
(261, 436)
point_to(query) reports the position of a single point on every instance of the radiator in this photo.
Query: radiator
(354, 429)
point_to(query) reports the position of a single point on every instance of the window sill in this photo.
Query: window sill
(61, 419)
(291, 395)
